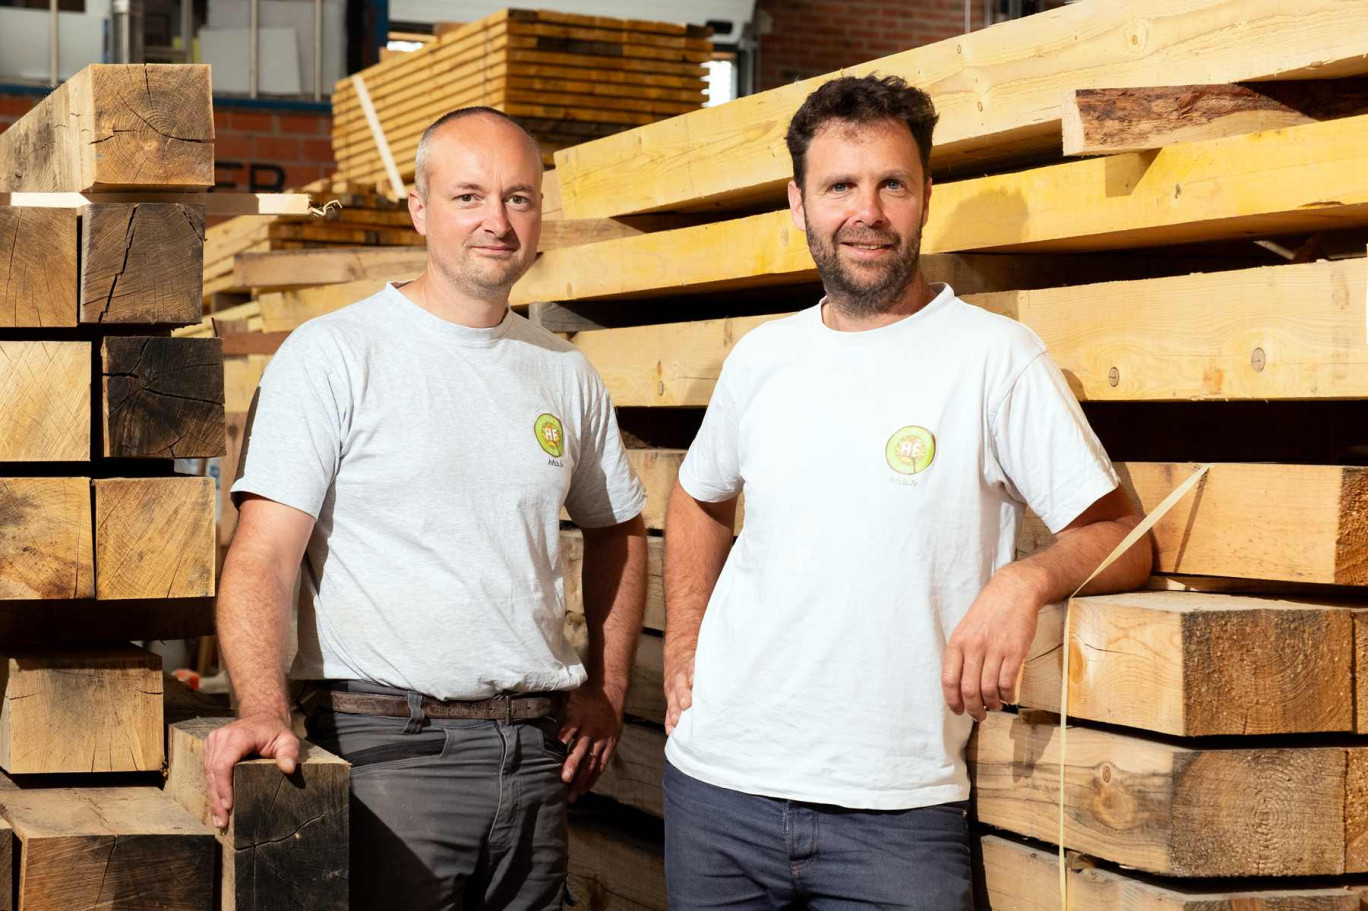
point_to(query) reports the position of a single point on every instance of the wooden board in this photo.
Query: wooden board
(997, 91)
(1106, 121)
(115, 127)
(81, 710)
(1019, 877)
(45, 548)
(615, 868)
(572, 565)
(6, 867)
(163, 397)
(1194, 665)
(38, 286)
(1307, 528)
(1277, 332)
(109, 848)
(286, 843)
(633, 774)
(154, 538)
(1168, 809)
(142, 263)
(45, 401)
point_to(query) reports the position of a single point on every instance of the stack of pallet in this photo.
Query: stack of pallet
(362, 219)
(104, 544)
(567, 78)
(1201, 283)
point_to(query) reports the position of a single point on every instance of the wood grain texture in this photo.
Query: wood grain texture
(286, 843)
(1209, 531)
(1107, 121)
(142, 263)
(1194, 665)
(163, 397)
(86, 709)
(46, 551)
(1168, 809)
(997, 92)
(114, 127)
(44, 401)
(109, 848)
(632, 777)
(154, 538)
(613, 868)
(1019, 877)
(1278, 332)
(38, 286)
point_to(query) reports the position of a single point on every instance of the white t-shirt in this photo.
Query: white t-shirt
(885, 474)
(436, 459)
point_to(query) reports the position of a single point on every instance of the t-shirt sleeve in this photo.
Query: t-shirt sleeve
(604, 490)
(293, 440)
(1051, 458)
(711, 472)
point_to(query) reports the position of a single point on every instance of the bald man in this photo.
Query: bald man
(408, 458)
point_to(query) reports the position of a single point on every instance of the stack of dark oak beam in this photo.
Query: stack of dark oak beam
(568, 78)
(102, 212)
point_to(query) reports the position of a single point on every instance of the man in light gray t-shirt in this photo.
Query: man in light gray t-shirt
(409, 456)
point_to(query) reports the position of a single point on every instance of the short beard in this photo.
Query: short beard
(862, 299)
(480, 286)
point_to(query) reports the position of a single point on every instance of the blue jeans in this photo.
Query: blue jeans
(726, 849)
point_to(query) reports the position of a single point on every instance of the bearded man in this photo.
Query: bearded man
(822, 674)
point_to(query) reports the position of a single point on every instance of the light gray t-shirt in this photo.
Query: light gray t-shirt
(436, 459)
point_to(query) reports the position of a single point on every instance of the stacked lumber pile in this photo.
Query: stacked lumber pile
(1201, 284)
(362, 220)
(567, 78)
(104, 544)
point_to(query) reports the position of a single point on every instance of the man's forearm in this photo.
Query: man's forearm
(1056, 572)
(698, 538)
(253, 613)
(614, 585)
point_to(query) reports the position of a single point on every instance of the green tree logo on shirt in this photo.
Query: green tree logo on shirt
(550, 435)
(910, 450)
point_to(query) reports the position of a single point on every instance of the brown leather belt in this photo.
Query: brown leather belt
(496, 708)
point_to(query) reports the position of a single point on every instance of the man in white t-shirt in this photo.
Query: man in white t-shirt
(822, 674)
(414, 450)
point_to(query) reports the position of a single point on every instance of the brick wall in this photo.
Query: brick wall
(255, 148)
(811, 37)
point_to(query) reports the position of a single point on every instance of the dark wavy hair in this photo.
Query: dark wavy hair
(861, 100)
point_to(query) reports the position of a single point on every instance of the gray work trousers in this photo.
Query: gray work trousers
(451, 815)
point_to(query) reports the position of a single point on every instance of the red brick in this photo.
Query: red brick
(17, 105)
(220, 121)
(319, 150)
(232, 145)
(255, 121)
(303, 124)
(276, 149)
(297, 175)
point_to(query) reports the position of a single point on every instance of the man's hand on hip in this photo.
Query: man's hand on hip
(255, 735)
(592, 728)
(678, 693)
(986, 650)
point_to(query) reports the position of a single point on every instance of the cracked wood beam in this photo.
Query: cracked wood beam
(44, 401)
(115, 127)
(1194, 665)
(163, 397)
(154, 538)
(142, 263)
(85, 709)
(130, 847)
(37, 268)
(286, 843)
(45, 548)
(1208, 810)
